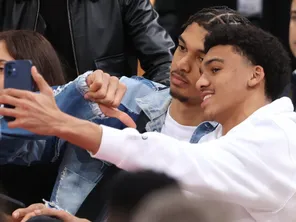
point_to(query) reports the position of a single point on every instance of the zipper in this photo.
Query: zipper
(72, 39)
(37, 15)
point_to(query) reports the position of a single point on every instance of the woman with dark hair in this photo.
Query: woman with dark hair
(25, 44)
(34, 182)
(29, 183)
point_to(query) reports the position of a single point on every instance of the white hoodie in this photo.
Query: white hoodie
(252, 167)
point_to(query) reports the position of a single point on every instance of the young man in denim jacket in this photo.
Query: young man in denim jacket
(173, 111)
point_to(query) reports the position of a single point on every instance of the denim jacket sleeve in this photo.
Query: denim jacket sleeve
(19, 146)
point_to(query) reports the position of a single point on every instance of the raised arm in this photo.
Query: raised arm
(248, 172)
(152, 43)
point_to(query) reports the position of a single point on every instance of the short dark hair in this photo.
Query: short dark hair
(212, 16)
(26, 44)
(260, 48)
(129, 188)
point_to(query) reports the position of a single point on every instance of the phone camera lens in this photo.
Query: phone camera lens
(9, 72)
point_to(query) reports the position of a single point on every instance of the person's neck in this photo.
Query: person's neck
(186, 114)
(241, 112)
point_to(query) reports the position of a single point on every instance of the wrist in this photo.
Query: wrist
(62, 125)
(81, 133)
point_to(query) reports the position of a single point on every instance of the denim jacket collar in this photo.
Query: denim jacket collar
(155, 105)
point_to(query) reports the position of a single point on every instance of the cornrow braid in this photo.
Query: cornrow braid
(210, 17)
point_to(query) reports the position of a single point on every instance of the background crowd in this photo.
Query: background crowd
(66, 40)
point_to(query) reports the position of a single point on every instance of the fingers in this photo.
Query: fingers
(100, 84)
(17, 93)
(17, 123)
(10, 112)
(119, 95)
(115, 113)
(20, 104)
(64, 216)
(40, 82)
(110, 93)
(20, 213)
(95, 80)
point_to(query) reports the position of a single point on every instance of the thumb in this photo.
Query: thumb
(40, 82)
(90, 79)
(116, 113)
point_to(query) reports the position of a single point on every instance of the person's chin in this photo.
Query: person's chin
(176, 92)
(209, 113)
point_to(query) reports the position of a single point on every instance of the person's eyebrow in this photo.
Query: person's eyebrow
(181, 39)
(293, 12)
(208, 62)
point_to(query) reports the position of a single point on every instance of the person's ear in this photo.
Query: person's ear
(257, 76)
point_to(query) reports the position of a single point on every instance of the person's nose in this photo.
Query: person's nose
(202, 82)
(184, 64)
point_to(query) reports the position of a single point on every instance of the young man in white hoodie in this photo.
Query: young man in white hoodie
(248, 161)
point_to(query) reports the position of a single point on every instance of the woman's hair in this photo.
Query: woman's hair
(30, 45)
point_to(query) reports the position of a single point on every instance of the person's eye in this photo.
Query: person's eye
(200, 58)
(215, 70)
(1, 69)
(182, 48)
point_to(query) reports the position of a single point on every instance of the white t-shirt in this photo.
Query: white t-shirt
(173, 129)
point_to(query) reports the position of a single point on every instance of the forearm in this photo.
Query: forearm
(82, 133)
(201, 168)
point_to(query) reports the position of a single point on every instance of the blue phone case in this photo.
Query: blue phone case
(17, 75)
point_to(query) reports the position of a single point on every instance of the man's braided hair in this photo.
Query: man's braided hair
(210, 17)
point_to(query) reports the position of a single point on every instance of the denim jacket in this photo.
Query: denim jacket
(79, 173)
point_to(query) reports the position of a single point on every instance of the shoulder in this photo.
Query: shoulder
(137, 81)
(138, 87)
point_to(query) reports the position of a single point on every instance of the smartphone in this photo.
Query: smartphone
(17, 75)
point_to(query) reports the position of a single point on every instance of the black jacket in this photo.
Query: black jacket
(106, 34)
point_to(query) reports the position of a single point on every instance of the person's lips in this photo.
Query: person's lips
(205, 97)
(178, 80)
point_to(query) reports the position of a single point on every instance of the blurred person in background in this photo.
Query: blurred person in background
(127, 190)
(275, 19)
(172, 206)
(292, 31)
(291, 89)
(252, 9)
(92, 34)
